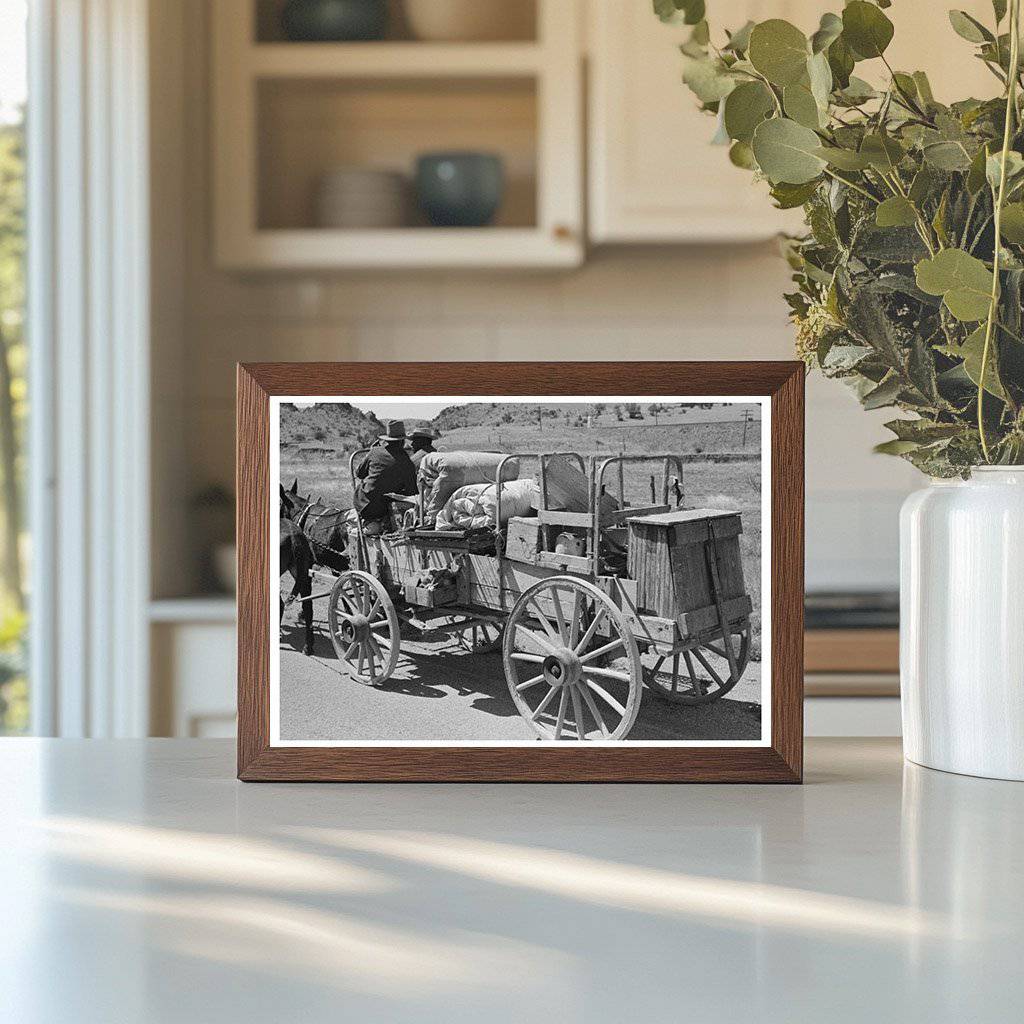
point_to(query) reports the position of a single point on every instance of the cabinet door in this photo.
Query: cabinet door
(654, 177)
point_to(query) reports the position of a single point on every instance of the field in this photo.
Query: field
(706, 482)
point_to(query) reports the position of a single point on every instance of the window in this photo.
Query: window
(14, 691)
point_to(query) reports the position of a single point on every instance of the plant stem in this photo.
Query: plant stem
(1011, 108)
(853, 185)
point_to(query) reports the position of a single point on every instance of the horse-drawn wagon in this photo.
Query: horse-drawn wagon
(590, 600)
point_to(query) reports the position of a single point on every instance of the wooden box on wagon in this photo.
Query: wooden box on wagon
(674, 556)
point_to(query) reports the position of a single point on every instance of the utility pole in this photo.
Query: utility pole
(746, 420)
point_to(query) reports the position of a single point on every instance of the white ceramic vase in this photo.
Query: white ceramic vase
(962, 624)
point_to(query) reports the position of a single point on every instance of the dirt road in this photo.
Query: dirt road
(440, 692)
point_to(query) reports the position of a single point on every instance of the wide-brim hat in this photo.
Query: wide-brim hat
(394, 430)
(427, 431)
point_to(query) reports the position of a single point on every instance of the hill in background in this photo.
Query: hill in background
(330, 425)
(497, 414)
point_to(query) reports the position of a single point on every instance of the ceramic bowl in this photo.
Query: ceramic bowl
(470, 20)
(360, 197)
(460, 189)
(333, 21)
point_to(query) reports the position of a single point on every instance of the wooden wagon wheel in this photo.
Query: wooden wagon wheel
(705, 672)
(364, 627)
(554, 671)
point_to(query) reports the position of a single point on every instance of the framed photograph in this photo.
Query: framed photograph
(520, 571)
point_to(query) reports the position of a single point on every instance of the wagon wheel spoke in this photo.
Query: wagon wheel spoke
(535, 659)
(698, 684)
(563, 627)
(588, 698)
(704, 661)
(607, 673)
(560, 721)
(537, 638)
(374, 649)
(574, 628)
(545, 624)
(602, 651)
(529, 682)
(577, 711)
(606, 697)
(591, 630)
(539, 710)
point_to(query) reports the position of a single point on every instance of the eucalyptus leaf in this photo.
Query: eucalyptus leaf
(741, 155)
(1012, 223)
(745, 108)
(819, 75)
(895, 447)
(844, 159)
(786, 151)
(895, 212)
(963, 281)
(883, 152)
(779, 51)
(993, 167)
(788, 196)
(947, 156)
(708, 80)
(866, 29)
(857, 91)
(829, 30)
(883, 395)
(690, 12)
(924, 87)
(972, 351)
(976, 176)
(969, 28)
(801, 106)
(739, 41)
(841, 62)
(922, 430)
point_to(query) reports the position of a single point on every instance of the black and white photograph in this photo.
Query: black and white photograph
(503, 571)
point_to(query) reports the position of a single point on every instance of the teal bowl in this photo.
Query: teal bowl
(334, 21)
(462, 190)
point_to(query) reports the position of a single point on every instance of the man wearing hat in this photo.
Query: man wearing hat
(387, 469)
(423, 439)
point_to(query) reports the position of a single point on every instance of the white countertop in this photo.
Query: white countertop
(140, 882)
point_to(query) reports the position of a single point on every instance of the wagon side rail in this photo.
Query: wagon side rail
(597, 489)
(362, 555)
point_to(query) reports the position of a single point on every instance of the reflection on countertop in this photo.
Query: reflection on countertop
(144, 883)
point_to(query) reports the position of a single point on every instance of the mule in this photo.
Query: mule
(296, 557)
(323, 525)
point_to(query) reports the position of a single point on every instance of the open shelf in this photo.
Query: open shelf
(309, 127)
(286, 114)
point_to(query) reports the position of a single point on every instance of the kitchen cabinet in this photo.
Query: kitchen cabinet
(654, 177)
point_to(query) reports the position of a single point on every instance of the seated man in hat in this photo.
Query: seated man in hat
(387, 469)
(423, 439)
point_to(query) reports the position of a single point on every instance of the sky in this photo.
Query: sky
(416, 409)
(13, 68)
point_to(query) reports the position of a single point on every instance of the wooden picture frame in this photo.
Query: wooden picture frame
(779, 759)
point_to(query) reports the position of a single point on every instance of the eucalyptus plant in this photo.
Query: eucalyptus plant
(910, 277)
